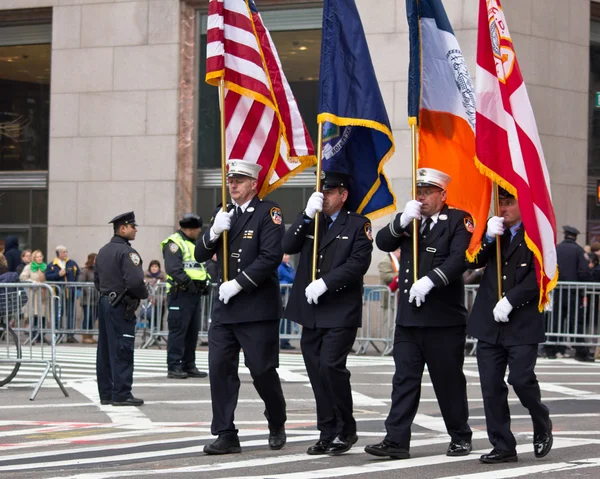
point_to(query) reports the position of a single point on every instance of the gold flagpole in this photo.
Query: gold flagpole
(318, 188)
(498, 245)
(223, 175)
(413, 141)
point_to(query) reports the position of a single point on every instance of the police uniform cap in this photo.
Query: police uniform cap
(334, 179)
(432, 177)
(243, 168)
(190, 220)
(571, 230)
(503, 194)
(124, 219)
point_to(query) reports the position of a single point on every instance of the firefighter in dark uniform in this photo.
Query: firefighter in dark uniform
(431, 316)
(568, 313)
(330, 308)
(247, 313)
(119, 277)
(508, 333)
(187, 281)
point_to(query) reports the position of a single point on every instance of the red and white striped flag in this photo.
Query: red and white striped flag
(262, 121)
(508, 146)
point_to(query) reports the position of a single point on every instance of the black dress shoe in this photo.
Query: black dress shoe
(129, 402)
(341, 444)
(196, 373)
(542, 443)
(497, 457)
(105, 402)
(320, 447)
(277, 438)
(459, 448)
(177, 374)
(388, 449)
(229, 444)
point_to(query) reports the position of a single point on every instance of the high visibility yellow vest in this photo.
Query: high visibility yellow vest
(196, 271)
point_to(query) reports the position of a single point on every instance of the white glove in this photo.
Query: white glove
(314, 204)
(412, 211)
(222, 223)
(314, 290)
(495, 226)
(419, 290)
(228, 290)
(502, 310)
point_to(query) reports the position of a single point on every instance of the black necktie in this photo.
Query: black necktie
(238, 212)
(328, 222)
(427, 227)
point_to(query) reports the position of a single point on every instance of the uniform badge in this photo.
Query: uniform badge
(276, 216)
(469, 225)
(173, 247)
(250, 209)
(369, 231)
(135, 258)
(248, 234)
(443, 217)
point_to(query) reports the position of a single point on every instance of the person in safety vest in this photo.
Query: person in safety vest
(187, 281)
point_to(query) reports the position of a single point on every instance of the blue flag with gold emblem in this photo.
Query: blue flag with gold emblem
(357, 138)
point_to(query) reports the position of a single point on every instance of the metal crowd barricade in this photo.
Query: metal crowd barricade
(379, 314)
(31, 320)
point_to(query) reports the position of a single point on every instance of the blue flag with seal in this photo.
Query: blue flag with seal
(357, 138)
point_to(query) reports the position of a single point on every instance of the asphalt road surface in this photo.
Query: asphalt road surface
(76, 437)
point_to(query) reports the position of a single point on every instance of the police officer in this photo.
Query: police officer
(330, 308)
(187, 281)
(119, 277)
(508, 333)
(573, 265)
(431, 316)
(247, 313)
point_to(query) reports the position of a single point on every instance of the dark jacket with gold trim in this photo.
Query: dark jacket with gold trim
(255, 253)
(343, 259)
(519, 285)
(441, 257)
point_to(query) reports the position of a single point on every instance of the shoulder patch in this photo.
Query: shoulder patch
(276, 216)
(135, 258)
(369, 230)
(173, 247)
(469, 224)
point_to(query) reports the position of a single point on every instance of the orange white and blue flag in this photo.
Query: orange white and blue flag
(508, 144)
(441, 101)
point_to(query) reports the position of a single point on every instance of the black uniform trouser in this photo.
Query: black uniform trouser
(325, 351)
(184, 326)
(443, 350)
(114, 358)
(492, 360)
(260, 342)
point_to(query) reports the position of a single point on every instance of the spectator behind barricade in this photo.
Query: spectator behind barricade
(12, 253)
(34, 272)
(89, 298)
(212, 268)
(388, 273)
(152, 277)
(8, 303)
(65, 270)
(286, 274)
(154, 274)
(25, 260)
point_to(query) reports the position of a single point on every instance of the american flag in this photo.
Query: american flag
(262, 120)
(508, 144)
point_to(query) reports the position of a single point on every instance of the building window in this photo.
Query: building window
(297, 36)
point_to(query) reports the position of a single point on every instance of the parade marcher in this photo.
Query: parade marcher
(508, 333)
(431, 316)
(246, 315)
(187, 281)
(119, 277)
(330, 308)
(573, 266)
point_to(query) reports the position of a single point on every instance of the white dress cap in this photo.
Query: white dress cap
(243, 168)
(431, 177)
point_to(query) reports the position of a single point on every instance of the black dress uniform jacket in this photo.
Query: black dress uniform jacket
(344, 258)
(119, 268)
(255, 253)
(442, 259)
(519, 285)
